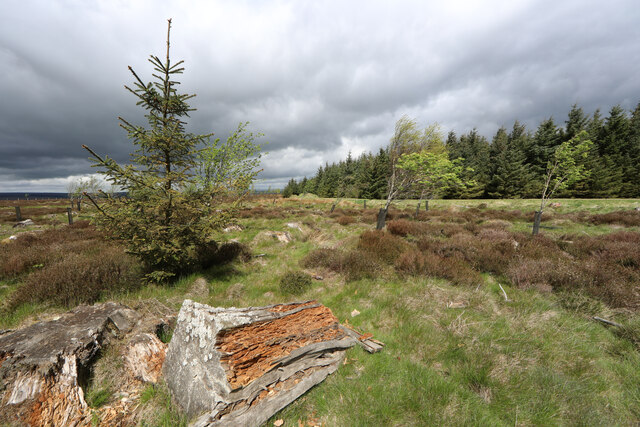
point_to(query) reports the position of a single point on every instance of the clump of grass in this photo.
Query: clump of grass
(98, 397)
(295, 282)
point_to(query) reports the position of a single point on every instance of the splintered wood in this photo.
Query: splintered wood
(239, 366)
(42, 367)
(250, 351)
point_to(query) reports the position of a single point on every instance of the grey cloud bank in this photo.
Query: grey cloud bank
(317, 78)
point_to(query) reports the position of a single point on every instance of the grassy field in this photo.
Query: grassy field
(483, 324)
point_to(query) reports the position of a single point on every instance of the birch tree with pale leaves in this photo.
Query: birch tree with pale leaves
(566, 167)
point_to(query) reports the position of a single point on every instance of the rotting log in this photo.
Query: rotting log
(232, 366)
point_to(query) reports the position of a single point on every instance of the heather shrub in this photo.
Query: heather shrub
(345, 220)
(331, 259)
(295, 282)
(222, 254)
(354, 265)
(401, 227)
(457, 271)
(411, 263)
(539, 247)
(384, 246)
(78, 278)
(531, 273)
(29, 250)
(359, 264)
(626, 218)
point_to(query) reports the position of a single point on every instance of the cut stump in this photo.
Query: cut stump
(232, 366)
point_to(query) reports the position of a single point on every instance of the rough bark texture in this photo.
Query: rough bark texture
(537, 218)
(382, 218)
(240, 366)
(44, 367)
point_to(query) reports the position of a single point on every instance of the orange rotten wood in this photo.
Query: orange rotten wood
(239, 366)
(250, 351)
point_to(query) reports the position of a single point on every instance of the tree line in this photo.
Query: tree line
(512, 165)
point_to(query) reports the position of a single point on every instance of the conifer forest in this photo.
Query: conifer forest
(511, 165)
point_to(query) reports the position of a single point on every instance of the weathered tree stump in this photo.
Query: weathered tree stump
(43, 366)
(240, 366)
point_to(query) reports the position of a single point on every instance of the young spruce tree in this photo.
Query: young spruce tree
(167, 219)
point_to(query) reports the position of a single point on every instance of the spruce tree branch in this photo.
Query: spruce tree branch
(136, 76)
(96, 205)
(94, 154)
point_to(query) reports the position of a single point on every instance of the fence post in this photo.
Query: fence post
(417, 209)
(18, 214)
(78, 205)
(70, 216)
(365, 204)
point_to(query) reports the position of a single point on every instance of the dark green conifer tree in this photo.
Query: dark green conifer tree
(509, 173)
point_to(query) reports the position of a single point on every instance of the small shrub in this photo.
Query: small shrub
(357, 265)
(354, 265)
(295, 282)
(411, 263)
(79, 278)
(531, 273)
(457, 271)
(345, 220)
(401, 227)
(384, 246)
(331, 259)
(223, 254)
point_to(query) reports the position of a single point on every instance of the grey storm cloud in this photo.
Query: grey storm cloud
(319, 79)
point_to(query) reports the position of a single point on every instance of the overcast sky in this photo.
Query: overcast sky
(318, 78)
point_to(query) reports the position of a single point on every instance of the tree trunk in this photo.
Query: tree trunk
(536, 222)
(426, 205)
(70, 216)
(382, 217)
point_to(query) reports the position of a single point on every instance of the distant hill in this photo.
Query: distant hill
(32, 196)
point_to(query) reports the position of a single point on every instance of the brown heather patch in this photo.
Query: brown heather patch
(401, 227)
(354, 265)
(384, 246)
(456, 270)
(80, 278)
(626, 218)
(345, 220)
(69, 265)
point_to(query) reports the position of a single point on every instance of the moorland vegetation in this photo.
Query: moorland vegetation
(484, 323)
